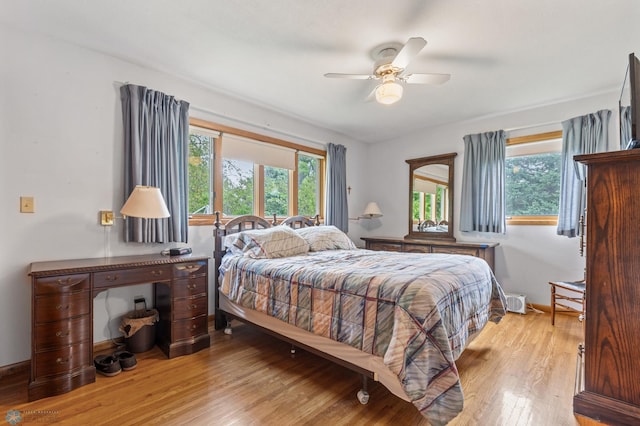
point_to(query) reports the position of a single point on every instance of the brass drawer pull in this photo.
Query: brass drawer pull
(62, 361)
(160, 272)
(61, 307)
(191, 286)
(194, 326)
(64, 282)
(112, 278)
(193, 306)
(63, 333)
(190, 268)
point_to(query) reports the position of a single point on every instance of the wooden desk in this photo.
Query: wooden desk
(62, 312)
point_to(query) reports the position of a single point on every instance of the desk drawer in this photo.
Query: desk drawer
(52, 335)
(62, 360)
(189, 307)
(190, 287)
(190, 269)
(61, 284)
(149, 274)
(189, 328)
(61, 306)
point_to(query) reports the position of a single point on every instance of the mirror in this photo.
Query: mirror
(431, 197)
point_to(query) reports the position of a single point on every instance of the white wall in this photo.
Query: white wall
(61, 142)
(528, 257)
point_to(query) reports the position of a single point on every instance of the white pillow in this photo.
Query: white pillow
(278, 241)
(326, 237)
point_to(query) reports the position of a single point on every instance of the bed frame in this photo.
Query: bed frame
(223, 318)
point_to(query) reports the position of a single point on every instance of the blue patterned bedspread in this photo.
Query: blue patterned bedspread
(417, 311)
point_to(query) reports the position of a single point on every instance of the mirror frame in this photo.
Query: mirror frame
(416, 163)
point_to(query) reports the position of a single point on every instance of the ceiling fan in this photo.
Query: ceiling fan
(391, 60)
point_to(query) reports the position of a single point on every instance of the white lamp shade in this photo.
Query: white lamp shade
(372, 210)
(146, 202)
(388, 93)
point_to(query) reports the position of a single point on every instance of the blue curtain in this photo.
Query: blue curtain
(625, 126)
(580, 135)
(482, 206)
(337, 212)
(156, 140)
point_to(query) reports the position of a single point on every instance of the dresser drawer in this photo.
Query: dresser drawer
(189, 328)
(469, 251)
(61, 284)
(149, 274)
(385, 247)
(416, 248)
(189, 307)
(62, 360)
(190, 269)
(61, 306)
(52, 335)
(190, 287)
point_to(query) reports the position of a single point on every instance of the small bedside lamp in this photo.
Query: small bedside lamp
(371, 211)
(145, 202)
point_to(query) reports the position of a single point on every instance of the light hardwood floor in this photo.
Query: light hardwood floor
(519, 372)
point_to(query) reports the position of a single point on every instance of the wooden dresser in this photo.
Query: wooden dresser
(610, 389)
(484, 251)
(62, 312)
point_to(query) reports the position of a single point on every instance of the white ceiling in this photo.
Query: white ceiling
(503, 55)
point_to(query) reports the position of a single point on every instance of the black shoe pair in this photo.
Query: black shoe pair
(111, 365)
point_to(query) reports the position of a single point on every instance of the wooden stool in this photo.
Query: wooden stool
(577, 290)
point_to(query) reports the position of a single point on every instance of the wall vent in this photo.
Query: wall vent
(516, 303)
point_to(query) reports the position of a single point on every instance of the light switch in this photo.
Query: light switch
(106, 217)
(26, 205)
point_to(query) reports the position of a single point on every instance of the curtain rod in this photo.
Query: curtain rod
(247, 123)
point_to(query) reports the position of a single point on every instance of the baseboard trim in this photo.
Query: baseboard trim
(17, 368)
(107, 345)
(543, 308)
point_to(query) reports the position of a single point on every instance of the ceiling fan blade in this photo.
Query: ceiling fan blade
(411, 48)
(426, 78)
(350, 76)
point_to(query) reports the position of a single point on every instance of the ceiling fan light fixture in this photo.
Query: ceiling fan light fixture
(388, 93)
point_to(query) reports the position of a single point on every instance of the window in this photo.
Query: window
(200, 173)
(237, 187)
(309, 184)
(532, 179)
(237, 173)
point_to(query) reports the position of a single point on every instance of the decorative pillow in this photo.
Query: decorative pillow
(278, 241)
(326, 237)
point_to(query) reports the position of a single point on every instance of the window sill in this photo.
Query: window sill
(210, 219)
(533, 220)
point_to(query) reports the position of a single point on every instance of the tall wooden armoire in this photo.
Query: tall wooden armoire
(610, 390)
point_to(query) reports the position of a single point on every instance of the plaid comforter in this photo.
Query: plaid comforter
(415, 310)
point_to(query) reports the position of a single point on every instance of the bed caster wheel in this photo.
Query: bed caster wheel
(363, 396)
(227, 330)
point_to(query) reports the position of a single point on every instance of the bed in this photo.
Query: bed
(398, 318)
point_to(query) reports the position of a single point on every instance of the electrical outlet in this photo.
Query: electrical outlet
(26, 205)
